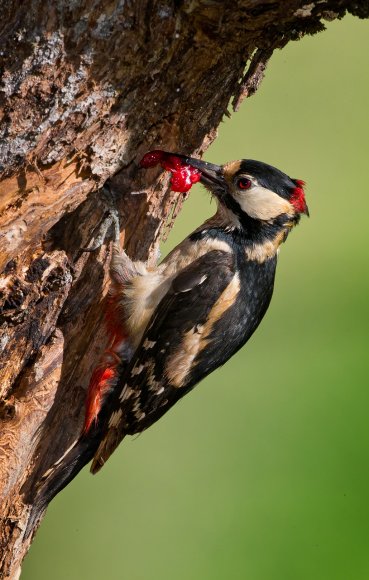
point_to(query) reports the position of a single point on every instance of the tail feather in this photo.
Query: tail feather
(58, 477)
(99, 397)
(110, 442)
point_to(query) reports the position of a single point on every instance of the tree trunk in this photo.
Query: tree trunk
(87, 88)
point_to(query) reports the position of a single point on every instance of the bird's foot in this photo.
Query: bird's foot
(110, 219)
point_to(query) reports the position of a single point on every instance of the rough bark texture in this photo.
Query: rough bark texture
(86, 88)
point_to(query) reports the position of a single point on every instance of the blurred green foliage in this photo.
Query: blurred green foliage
(262, 472)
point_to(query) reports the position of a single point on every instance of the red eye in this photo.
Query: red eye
(244, 183)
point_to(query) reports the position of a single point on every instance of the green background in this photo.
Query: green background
(262, 473)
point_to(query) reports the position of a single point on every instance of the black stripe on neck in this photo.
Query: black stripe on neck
(254, 230)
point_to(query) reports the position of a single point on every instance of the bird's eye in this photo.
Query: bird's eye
(244, 183)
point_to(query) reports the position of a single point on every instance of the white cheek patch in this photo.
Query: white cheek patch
(263, 204)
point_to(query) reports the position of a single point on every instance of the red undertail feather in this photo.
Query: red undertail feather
(98, 387)
(105, 373)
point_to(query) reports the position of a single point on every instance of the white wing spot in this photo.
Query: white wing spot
(139, 414)
(126, 393)
(115, 418)
(149, 344)
(137, 370)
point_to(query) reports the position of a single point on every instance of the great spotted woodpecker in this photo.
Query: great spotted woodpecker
(174, 324)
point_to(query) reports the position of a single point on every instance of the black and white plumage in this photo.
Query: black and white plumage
(204, 301)
(192, 312)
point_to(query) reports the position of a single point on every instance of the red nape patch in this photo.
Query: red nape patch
(183, 176)
(298, 197)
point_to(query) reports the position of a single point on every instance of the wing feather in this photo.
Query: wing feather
(163, 367)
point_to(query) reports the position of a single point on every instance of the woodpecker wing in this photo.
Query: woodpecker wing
(177, 350)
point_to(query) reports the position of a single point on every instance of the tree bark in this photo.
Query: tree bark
(87, 88)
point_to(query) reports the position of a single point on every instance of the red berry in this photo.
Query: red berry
(178, 181)
(152, 158)
(183, 176)
(195, 175)
(171, 163)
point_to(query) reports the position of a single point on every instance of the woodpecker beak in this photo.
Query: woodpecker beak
(211, 175)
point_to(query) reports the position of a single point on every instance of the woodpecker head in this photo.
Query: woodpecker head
(253, 191)
(257, 203)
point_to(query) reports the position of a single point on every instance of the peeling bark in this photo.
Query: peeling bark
(86, 89)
